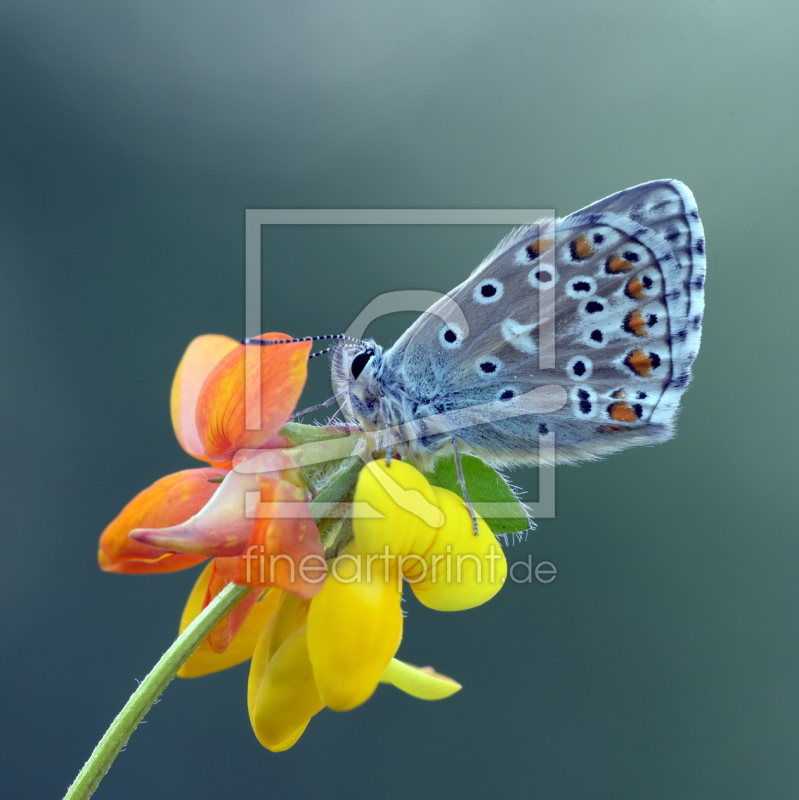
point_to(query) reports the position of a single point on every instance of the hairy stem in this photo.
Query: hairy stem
(150, 690)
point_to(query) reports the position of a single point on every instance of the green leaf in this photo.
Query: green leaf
(485, 486)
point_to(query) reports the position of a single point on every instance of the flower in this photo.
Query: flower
(321, 630)
(185, 517)
(333, 649)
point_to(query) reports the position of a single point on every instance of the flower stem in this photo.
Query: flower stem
(150, 690)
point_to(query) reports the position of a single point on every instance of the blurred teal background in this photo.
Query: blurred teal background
(663, 662)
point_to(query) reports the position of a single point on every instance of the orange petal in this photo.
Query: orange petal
(230, 418)
(172, 499)
(285, 549)
(204, 661)
(222, 573)
(223, 526)
(201, 356)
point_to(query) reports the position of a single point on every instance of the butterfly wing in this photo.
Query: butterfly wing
(606, 303)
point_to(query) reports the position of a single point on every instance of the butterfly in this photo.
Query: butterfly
(576, 333)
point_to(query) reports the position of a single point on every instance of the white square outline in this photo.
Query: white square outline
(255, 218)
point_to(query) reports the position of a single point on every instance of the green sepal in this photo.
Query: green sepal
(485, 485)
(298, 433)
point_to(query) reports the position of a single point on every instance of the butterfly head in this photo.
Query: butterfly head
(357, 375)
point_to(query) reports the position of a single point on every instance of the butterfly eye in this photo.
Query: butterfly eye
(360, 361)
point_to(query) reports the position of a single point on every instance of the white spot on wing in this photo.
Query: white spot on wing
(518, 335)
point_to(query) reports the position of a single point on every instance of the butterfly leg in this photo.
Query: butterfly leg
(332, 420)
(328, 402)
(386, 432)
(462, 483)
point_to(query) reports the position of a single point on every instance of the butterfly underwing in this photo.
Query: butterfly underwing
(602, 309)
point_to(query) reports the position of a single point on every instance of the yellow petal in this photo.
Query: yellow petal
(354, 629)
(204, 661)
(422, 682)
(290, 742)
(459, 570)
(292, 614)
(448, 567)
(407, 503)
(284, 697)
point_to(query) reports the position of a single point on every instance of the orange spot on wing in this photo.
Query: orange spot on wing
(635, 288)
(618, 264)
(635, 323)
(622, 412)
(581, 247)
(639, 362)
(534, 249)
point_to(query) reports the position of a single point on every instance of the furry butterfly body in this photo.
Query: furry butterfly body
(603, 307)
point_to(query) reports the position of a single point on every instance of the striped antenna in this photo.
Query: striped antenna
(320, 353)
(339, 336)
(301, 339)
